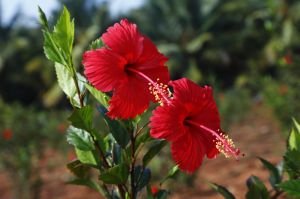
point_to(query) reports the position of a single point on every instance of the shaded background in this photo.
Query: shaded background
(249, 51)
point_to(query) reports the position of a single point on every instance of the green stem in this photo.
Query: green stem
(76, 85)
(133, 194)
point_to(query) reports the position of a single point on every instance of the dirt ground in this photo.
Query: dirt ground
(257, 135)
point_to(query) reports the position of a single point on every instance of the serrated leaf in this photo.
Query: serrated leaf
(86, 157)
(80, 139)
(115, 175)
(82, 118)
(63, 33)
(43, 18)
(291, 187)
(154, 149)
(98, 43)
(256, 189)
(294, 138)
(78, 169)
(274, 172)
(222, 190)
(66, 83)
(102, 98)
(172, 172)
(51, 50)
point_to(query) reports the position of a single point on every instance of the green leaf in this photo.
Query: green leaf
(86, 182)
(116, 153)
(274, 172)
(66, 83)
(80, 139)
(294, 139)
(115, 175)
(87, 157)
(222, 190)
(98, 43)
(63, 33)
(142, 138)
(43, 18)
(291, 187)
(154, 149)
(162, 194)
(51, 50)
(292, 163)
(118, 131)
(78, 169)
(82, 118)
(142, 177)
(172, 172)
(256, 189)
(102, 98)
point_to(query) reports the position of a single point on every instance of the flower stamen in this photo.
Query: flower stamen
(160, 91)
(224, 144)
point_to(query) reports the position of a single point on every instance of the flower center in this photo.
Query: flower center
(159, 90)
(224, 144)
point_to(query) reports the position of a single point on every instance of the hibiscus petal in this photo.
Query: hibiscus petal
(124, 39)
(129, 99)
(199, 102)
(104, 69)
(167, 122)
(188, 152)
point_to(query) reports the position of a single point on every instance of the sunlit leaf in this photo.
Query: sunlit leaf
(102, 98)
(80, 139)
(63, 33)
(98, 43)
(172, 172)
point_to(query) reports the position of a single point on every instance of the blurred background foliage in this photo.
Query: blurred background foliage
(249, 51)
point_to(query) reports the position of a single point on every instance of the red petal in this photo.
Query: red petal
(199, 102)
(167, 122)
(152, 63)
(129, 99)
(124, 39)
(104, 69)
(188, 152)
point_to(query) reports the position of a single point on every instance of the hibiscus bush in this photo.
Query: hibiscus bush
(126, 110)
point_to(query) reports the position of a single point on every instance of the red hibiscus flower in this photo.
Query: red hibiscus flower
(154, 190)
(7, 134)
(125, 66)
(288, 59)
(191, 122)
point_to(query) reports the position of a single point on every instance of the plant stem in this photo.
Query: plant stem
(106, 165)
(132, 137)
(76, 85)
